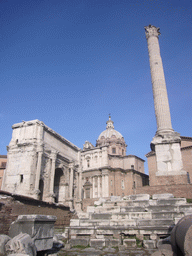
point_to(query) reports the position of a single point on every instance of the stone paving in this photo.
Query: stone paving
(121, 251)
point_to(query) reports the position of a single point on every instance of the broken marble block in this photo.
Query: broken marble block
(22, 244)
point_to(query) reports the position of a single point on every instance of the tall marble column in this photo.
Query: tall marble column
(161, 103)
(106, 185)
(103, 185)
(166, 142)
(93, 187)
(71, 182)
(38, 170)
(52, 176)
(98, 187)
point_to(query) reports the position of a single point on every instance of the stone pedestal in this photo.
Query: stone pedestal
(39, 227)
(168, 154)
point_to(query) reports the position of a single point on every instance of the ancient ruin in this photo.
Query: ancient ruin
(44, 165)
(114, 204)
(166, 142)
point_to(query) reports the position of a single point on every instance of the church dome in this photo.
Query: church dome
(110, 136)
(110, 132)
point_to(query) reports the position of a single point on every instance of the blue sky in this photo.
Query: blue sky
(71, 63)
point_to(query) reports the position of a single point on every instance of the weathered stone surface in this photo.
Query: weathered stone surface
(100, 201)
(140, 197)
(156, 222)
(163, 252)
(132, 209)
(103, 216)
(39, 227)
(149, 244)
(149, 219)
(79, 241)
(115, 198)
(112, 242)
(21, 243)
(74, 222)
(3, 240)
(162, 196)
(129, 243)
(172, 201)
(97, 243)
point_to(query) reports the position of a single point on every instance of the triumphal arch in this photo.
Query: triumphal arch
(41, 164)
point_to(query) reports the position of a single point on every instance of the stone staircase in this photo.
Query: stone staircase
(131, 221)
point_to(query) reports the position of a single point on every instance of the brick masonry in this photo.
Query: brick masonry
(13, 205)
(178, 190)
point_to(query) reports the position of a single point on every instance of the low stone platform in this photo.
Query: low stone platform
(130, 221)
(90, 251)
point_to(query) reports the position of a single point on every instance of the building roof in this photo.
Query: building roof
(110, 132)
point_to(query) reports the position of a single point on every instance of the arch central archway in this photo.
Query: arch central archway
(57, 184)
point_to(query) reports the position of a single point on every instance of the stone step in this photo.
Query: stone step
(167, 215)
(162, 208)
(131, 215)
(117, 230)
(102, 216)
(171, 201)
(185, 208)
(132, 209)
(155, 222)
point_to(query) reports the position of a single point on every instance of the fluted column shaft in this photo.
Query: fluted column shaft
(52, 176)
(161, 104)
(98, 186)
(38, 171)
(71, 183)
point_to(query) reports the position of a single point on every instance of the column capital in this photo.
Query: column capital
(151, 31)
(40, 148)
(54, 154)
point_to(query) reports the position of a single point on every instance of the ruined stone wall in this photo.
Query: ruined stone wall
(178, 190)
(13, 205)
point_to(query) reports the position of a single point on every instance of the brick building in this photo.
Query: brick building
(3, 163)
(107, 170)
